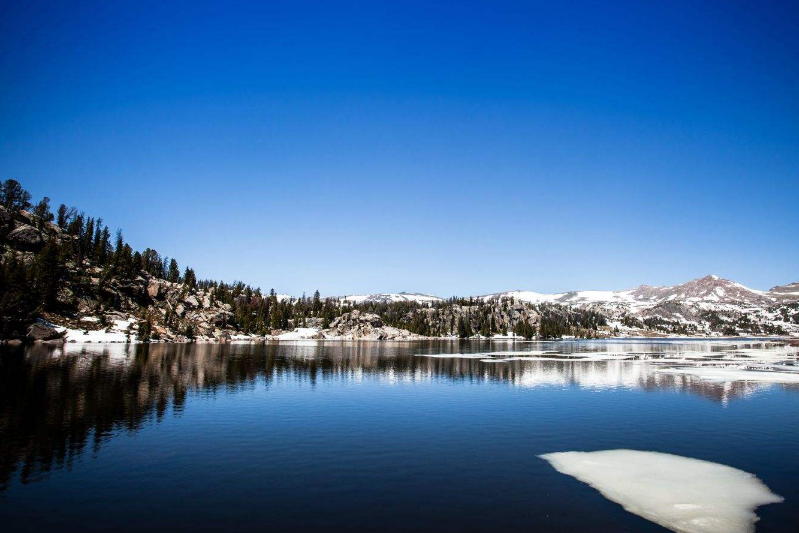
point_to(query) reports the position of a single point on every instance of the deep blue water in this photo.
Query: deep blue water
(357, 437)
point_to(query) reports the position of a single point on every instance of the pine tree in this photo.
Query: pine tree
(48, 274)
(174, 271)
(275, 319)
(62, 216)
(17, 301)
(103, 242)
(317, 303)
(13, 197)
(189, 278)
(88, 237)
(462, 333)
(42, 212)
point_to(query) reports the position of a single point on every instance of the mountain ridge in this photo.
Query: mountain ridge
(709, 288)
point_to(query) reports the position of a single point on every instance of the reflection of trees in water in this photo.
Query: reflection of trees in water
(55, 401)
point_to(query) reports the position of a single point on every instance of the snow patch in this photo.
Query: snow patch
(679, 493)
(116, 332)
(298, 334)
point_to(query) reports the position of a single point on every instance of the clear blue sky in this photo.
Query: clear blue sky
(449, 148)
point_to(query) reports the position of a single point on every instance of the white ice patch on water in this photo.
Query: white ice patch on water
(680, 493)
(499, 357)
(452, 355)
(735, 374)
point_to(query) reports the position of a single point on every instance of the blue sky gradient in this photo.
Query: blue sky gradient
(452, 149)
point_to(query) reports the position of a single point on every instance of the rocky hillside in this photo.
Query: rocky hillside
(63, 278)
(89, 300)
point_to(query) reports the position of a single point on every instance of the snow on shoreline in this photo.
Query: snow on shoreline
(125, 331)
(117, 331)
(682, 494)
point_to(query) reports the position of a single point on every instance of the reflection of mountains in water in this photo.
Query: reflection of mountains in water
(54, 401)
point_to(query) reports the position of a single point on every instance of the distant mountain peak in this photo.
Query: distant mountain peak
(391, 298)
(786, 293)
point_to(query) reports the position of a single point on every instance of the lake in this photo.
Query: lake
(370, 436)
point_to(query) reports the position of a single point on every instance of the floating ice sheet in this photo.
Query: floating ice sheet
(452, 355)
(735, 374)
(680, 493)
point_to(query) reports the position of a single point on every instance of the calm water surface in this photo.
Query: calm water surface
(358, 437)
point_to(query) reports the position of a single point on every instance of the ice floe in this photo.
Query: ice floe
(452, 355)
(770, 355)
(725, 374)
(679, 493)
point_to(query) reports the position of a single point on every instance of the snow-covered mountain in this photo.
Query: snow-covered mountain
(699, 302)
(390, 298)
(709, 290)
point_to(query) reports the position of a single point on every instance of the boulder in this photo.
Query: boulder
(155, 289)
(26, 237)
(42, 332)
(192, 301)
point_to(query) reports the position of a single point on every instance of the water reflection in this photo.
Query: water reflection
(57, 401)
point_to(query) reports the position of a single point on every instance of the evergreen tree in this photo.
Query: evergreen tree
(13, 197)
(174, 272)
(137, 265)
(62, 216)
(103, 242)
(17, 301)
(462, 332)
(49, 272)
(88, 237)
(145, 329)
(42, 212)
(317, 303)
(189, 278)
(274, 309)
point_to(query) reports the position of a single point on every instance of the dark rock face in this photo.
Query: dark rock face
(26, 238)
(42, 332)
(671, 311)
(5, 218)
(220, 319)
